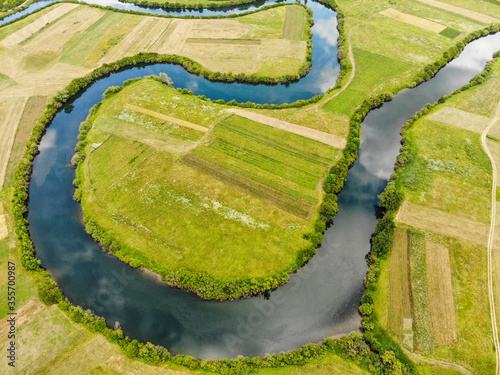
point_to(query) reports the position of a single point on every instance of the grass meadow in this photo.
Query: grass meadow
(176, 201)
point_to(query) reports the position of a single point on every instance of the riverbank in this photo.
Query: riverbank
(432, 293)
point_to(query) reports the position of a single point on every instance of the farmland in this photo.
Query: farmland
(43, 52)
(259, 182)
(445, 219)
(229, 175)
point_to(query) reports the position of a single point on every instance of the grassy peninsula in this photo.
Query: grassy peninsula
(188, 189)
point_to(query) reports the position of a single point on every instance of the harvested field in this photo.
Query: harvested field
(444, 223)
(399, 284)
(147, 32)
(4, 230)
(329, 139)
(294, 24)
(161, 116)
(34, 27)
(224, 41)
(413, 20)
(11, 110)
(462, 119)
(32, 111)
(440, 291)
(54, 37)
(462, 11)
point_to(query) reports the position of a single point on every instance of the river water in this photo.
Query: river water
(320, 300)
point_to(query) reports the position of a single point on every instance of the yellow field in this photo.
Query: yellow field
(413, 20)
(441, 301)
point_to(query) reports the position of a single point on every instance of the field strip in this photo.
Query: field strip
(491, 239)
(161, 116)
(399, 286)
(35, 26)
(224, 41)
(460, 118)
(4, 231)
(294, 23)
(134, 41)
(317, 135)
(10, 114)
(413, 20)
(438, 221)
(442, 305)
(462, 11)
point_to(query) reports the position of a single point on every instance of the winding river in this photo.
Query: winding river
(320, 300)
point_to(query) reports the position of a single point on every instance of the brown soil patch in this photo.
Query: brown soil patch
(329, 139)
(462, 11)
(462, 119)
(399, 284)
(413, 20)
(440, 291)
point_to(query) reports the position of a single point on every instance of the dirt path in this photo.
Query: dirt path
(491, 237)
(453, 366)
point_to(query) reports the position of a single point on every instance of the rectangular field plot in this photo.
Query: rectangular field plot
(224, 41)
(294, 23)
(278, 167)
(441, 301)
(289, 201)
(399, 285)
(413, 20)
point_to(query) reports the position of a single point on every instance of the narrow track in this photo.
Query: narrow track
(491, 294)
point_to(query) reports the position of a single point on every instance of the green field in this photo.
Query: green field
(172, 203)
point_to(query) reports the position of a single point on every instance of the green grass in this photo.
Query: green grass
(451, 159)
(78, 48)
(422, 327)
(294, 23)
(170, 214)
(281, 169)
(449, 170)
(450, 33)
(368, 79)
